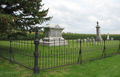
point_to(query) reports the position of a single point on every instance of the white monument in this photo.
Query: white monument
(53, 36)
(98, 38)
(78, 40)
(108, 37)
(84, 40)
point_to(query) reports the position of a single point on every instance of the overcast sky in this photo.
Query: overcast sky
(80, 16)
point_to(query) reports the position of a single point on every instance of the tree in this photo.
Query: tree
(7, 16)
(4, 20)
(28, 13)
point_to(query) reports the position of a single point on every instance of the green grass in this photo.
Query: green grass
(89, 51)
(105, 67)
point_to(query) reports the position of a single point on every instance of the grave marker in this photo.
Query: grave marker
(108, 37)
(112, 38)
(84, 40)
(53, 36)
(98, 38)
(78, 40)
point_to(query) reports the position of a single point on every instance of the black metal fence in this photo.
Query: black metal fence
(30, 54)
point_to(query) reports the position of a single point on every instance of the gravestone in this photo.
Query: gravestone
(84, 40)
(53, 36)
(93, 40)
(98, 38)
(108, 37)
(17, 43)
(95, 43)
(89, 40)
(92, 37)
(112, 38)
(78, 40)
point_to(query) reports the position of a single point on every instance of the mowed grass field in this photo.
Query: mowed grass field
(23, 52)
(105, 67)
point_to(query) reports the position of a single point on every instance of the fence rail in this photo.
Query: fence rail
(30, 54)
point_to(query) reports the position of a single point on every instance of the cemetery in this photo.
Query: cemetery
(56, 50)
(29, 48)
(28, 45)
(53, 36)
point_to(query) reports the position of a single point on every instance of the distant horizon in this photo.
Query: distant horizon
(90, 33)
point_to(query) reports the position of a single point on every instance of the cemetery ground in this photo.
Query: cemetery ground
(68, 54)
(104, 67)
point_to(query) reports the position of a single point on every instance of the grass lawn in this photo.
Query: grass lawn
(56, 56)
(105, 67)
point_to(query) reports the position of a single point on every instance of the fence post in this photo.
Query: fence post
(104, 53)
(36, 42)
(11, 52)
(80, 56)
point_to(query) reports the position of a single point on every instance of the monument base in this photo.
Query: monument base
(53, 41)
(99, 38)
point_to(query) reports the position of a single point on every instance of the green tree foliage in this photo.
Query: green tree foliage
(7, 15)
(5, 21)
(25, 14)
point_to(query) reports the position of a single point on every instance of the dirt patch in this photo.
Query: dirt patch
(18, 68)
(65, 69)
(52, 72)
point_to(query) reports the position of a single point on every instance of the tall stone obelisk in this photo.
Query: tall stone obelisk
(98, 38)
(108, 37)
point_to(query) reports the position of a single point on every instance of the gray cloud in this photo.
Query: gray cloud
(80, 16)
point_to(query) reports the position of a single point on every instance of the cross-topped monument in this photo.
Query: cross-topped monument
(98, 38)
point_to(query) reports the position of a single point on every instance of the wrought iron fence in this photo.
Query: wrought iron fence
(30, 54)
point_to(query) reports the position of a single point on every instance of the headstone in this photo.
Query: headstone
(92, 37)
(98, 38)
(78, 40)
(40, 40)
(53, 36)
(112, 38)
(108, 37)
(89, 40)
(93, 40)
(84, 40)
(95, 43)
(17, 43)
